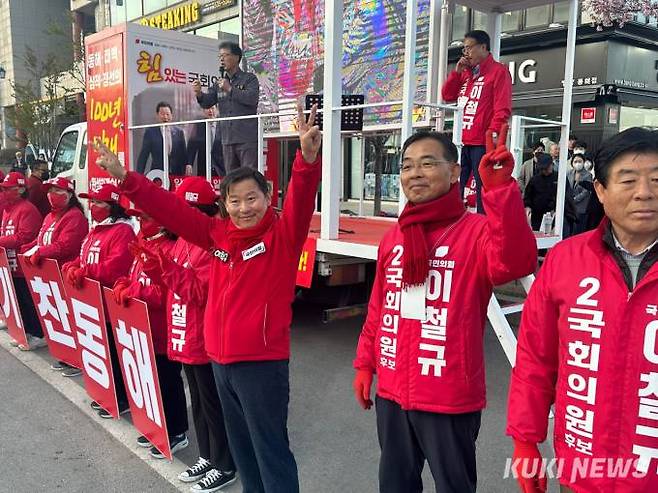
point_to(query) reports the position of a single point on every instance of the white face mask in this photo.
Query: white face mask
(578, 165)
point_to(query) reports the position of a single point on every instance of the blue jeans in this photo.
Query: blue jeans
(471, 156)
(255, 396)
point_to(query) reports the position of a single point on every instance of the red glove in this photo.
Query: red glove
(362, 384)
(497, 165)
(119, 286)
(122, 293)
(34, 259)
(525, 453)
(75, 276)
(151, 260)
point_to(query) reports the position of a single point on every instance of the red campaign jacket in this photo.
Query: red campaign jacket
(153, 294)
(486, 100)
(248, 314)
(20, 225)
(104, 253)
(438, 365)
(61, 236)
(588, 345)
(187, 296)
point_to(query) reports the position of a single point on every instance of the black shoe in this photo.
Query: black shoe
(105, 414)
(95, 406)
(195, 472)
(142, 441)
(71, 371)
(213, 481)
(176, 443)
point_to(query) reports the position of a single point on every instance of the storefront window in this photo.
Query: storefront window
(230, 26)
(479, 20)
(511, 21)
(209, 31)
(537, 16)
(637, 117)
(133, 9)
(459, 22)
(561, 12)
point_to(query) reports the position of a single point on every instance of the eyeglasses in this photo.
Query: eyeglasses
(425, 164)
(467, 48)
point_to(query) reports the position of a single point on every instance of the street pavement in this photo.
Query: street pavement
(49, 443)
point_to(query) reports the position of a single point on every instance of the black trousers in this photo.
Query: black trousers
(408, 438)
(173, 394)
(208, 417)
(255, 397)
(26, 306)
(471, 157)
(119, 385)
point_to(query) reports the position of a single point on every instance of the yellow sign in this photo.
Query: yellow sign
(174, 18)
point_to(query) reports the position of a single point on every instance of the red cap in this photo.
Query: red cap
(14, 179)
(58, 182)
(135, 212)
(106, 193)
(196, 190)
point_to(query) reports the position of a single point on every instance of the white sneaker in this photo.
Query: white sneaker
(195, 472)
(33, 343)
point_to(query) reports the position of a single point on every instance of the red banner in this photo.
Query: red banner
(106, 104)
(91, 335)
(132, 336)
(49, 297)
(307, 263)
(8, 302)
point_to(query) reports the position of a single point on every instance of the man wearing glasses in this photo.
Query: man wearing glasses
(482, 87)
(423, 335)
(236, 93)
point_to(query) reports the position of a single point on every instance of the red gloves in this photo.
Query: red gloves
(34, 259)
(362, 384)
(497, 164)
(152, 260)
(525, 453)
(74, 274)
(121, 290)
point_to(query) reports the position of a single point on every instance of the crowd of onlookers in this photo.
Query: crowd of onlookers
(538, 181)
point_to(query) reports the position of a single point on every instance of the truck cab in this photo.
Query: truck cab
(70, 158)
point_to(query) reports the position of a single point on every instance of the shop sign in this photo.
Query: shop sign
(213, 6)
(587, 115)
(613, 115)
(175, 18)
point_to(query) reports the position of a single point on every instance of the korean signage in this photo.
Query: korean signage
(9, 310)
(587, 115)
(47, 289)
(174, 18)
(307, 263)
(106, 105)
(132, 336)
(92, 339)
(216, 5)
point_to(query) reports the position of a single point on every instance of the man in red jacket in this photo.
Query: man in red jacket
(587, 341)
(35, 190)
(423, 335)
(252, 285)
(482, 87)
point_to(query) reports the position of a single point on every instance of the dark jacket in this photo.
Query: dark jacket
(242, 100)
(540, 193)
(196, 149)
(152, 146)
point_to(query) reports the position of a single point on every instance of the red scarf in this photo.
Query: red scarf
(241, 239)
(415, 221)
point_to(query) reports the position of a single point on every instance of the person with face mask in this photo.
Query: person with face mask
(139, 284)
(20, 225)
(529, 167)
(36, 192)
(60, 236)
(105, 257)
(255, 257)
(581, 182)
(186, 273)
